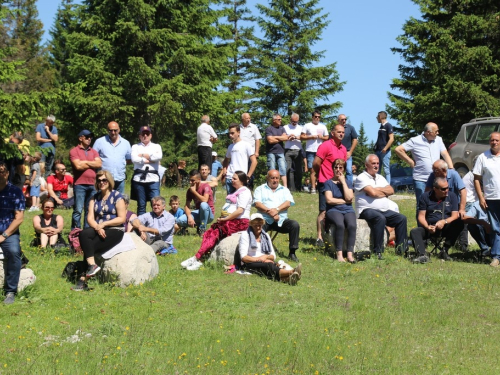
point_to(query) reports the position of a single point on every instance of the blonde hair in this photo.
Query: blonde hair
(109, 177)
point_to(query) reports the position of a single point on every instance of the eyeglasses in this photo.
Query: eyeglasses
(146, 134)
(316, 116)
(62, 170)
(48, 208)
(113, 130)
(87, 136)
(102, 181)
(444, 189)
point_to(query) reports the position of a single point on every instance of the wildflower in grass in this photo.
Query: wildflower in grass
(118, 348)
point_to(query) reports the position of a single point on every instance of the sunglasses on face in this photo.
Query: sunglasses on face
(145, 134)
(316, 116)
(102, 181)
(87, 136)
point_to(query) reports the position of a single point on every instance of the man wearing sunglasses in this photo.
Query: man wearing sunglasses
(85, 161)
(437, 216)
(114, 152)
(58, 184)
(146, 157)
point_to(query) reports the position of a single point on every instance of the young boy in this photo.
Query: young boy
(175, 210)
(35, 181)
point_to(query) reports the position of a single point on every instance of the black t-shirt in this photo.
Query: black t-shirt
(383, 136)
(434, 208)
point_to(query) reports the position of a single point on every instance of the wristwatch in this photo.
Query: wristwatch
(5, 234)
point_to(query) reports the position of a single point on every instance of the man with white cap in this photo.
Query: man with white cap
(216, 165)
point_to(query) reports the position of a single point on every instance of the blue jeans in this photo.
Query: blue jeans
(12, 265)
(120, 186)
(229, 186)
(49, 161)
(82, 195)
(494, 216)
(348, 170)
(419, 187)
(279, 160)
(384, 160)
(145, 191)
(202, 217)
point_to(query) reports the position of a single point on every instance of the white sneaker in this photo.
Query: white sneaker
(188, 262)
(32, 208)
(1, 254)
(195, 266)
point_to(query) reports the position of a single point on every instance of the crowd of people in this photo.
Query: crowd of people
(446, 206)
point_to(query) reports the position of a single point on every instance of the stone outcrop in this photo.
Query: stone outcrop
(226, 250)
(26, 278)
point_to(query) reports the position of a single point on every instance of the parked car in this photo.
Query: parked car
(401, 178)
(472, 140)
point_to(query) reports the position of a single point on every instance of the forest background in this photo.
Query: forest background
(166, 63)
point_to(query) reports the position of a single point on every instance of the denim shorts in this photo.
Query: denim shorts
(310, 158)
(35, 191)
(280, 159)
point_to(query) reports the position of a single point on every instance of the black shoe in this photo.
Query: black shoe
(293, 257)
(379, 256)
(445, 256)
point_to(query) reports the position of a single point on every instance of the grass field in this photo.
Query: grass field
(373, 317)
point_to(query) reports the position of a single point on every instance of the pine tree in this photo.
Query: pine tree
(143, 63)
(452, 66)
(289, 78)
(362, 149)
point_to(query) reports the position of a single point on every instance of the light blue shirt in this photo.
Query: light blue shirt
(273, 199)
(164, 223)
(114, 157)
(424, 154)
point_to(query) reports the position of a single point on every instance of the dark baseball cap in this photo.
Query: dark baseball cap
(85, 133)
(144, 129)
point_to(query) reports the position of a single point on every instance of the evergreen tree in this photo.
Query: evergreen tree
(362, 149)
(452, 66)
(142, 63)
(288, 76)
(240, 38)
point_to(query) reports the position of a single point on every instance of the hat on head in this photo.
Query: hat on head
(144, 129)
(214, 153)
(85, 133)
(256, 216)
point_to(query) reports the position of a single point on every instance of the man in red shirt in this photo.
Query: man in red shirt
(327, 153)
(202, 195)
(85, 161)
(58, 184)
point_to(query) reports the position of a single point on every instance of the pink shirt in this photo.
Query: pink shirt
(202, 190)
(328, 151)
(86, 177)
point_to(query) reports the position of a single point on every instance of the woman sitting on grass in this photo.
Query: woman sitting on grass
(105, 217)
(339, 211)
(258, 256)
(234, 218)
(47, 225)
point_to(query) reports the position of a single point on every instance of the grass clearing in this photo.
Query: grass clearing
(371, 317)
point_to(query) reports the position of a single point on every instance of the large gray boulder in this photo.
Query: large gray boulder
(131, 267)
(26, 278)
(364, 242)
(226, 249)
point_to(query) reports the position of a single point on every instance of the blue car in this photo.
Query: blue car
(401, 178)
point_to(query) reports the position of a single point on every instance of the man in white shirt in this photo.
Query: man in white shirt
(146, 157)
(425, 148)
(293, 153)
(487, 170)
(205, 137)
(237, 156)
(373, 205)
(314, 133)
(250, 133)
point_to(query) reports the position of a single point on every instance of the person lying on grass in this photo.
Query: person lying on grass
(234, 218)
(258, 256)
(106, 217)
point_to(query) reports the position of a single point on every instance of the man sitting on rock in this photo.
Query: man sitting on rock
(157, 228)
(273, 201)
(373, 205)
(437, 215)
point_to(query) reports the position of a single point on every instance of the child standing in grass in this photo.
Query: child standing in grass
(35, 181)
(175, 210)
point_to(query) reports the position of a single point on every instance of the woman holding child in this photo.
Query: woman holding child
(106, 216)
(339, 211)
(234, 218)
(258, 256)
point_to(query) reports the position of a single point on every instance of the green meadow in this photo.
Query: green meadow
(389, 316)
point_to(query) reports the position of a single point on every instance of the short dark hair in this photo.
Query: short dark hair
(235, 126)
(174, 198)
(194, 173)
(317, 112)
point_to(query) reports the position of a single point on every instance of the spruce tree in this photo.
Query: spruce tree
(362, 149)
(288, 75)
(451, 72)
